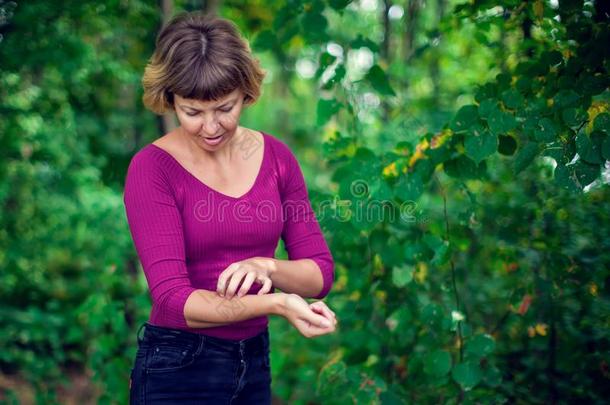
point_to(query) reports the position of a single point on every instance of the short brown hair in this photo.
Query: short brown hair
(200, 56)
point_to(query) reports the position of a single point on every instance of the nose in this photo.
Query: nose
(209, 126)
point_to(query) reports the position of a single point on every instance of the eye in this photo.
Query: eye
(191, 114)
(226, 109)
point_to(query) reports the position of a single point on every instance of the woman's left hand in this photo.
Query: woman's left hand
(255, 269)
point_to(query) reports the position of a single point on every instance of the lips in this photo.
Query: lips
(213, 141)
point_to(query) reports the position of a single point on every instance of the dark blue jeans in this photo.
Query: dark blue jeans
(173, 366)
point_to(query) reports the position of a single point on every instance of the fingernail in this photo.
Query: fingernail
(325, 324)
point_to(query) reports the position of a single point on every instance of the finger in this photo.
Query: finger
(234, 283)
(245, 286)
(322, 308)
(221, 284)
(266, 287)
(317, 320)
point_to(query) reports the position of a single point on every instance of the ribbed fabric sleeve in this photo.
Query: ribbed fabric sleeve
(301, 234)
(156, 227)
(187, 233)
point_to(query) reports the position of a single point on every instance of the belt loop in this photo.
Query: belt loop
(201, 345)
(138, 333)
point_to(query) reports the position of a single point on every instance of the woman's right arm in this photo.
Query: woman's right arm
(205, 308)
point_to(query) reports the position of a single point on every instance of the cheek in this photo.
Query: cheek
(190, 124)
(229, 120)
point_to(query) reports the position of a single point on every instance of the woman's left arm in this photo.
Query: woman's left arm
(302, 276)
(310, 270)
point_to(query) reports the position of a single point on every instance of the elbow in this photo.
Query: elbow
(170, 307)
(327, 268)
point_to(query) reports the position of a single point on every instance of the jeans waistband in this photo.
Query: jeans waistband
(154, 333)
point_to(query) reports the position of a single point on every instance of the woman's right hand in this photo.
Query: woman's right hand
(310, 320)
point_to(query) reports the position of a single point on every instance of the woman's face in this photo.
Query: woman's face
(203, 120)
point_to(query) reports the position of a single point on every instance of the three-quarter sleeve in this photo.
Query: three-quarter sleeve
(301, 233)
(155, 224)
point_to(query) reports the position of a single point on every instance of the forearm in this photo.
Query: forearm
(302, 277)
(206, 309)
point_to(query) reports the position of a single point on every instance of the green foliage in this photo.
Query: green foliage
(470, 239)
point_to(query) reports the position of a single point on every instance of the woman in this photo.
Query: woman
(206, 205)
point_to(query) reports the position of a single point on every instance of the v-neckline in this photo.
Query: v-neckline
(261, 169)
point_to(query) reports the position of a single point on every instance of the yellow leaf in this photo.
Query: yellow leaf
(531, 332)
(597, 107)
(593, 289)
(541, 329)
(421, 273)
(390, 170)
(439, 139)
(419, 152)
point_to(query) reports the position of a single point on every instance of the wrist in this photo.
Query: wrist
(278, 304)
(271, 264)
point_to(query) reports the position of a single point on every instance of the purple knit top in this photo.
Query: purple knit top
(186, 233)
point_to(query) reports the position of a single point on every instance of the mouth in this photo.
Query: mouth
(213, 140)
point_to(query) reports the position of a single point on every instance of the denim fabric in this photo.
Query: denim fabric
(173, 366)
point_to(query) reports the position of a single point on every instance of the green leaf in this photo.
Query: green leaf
(480, 146)
(492, 376)
(524, 84)
(465, 118)
(326, 109)
(525, 156)
(553, 57)
(507, 145)
(606, 148)
(324, 61)
(442, 254)
(314, 25)
(566, 98)
(437, 363)
(589, 148)
(564, 178)
(338, 75)
(361, 42)
(402, 275)
(409, 187)
(512, 99)
(463, 167)
(573, 117)
(602, 122)
(480, 345)
(339, 4)
(467, 374)
(487, 106)
(379, 80)
(546, 131)
(586, 173)
(500, 121)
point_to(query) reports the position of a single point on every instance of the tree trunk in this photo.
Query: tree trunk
(167, 121)
(435, 62)
(408, 38)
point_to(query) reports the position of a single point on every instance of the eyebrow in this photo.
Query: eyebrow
(195, 109)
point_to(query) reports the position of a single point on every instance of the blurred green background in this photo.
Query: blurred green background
(456, 154)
